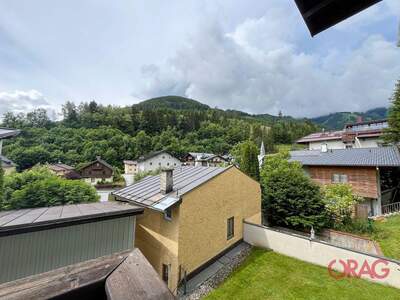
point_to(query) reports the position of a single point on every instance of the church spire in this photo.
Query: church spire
(262, 149)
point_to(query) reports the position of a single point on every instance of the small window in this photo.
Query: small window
(349, 146)
(167, 164)
(230, 228)
(339, 178)
(174, 164)
(151, 164)
(168, 214)
(165, 273)
(163, 157)
(159, 164)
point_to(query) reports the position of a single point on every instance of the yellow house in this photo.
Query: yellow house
(192, 216)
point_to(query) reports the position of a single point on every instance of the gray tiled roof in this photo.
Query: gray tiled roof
(35, 218)
(371, 157)
(147, 191)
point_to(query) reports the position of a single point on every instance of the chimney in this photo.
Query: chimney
(166, 181)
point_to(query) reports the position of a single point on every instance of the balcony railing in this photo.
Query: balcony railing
(391, 208)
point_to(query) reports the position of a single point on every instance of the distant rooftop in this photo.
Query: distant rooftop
(60, 167)
(147, 192)
(6, 133)
(27, 220)
(360, 129)
(145, 157)
(362, 157)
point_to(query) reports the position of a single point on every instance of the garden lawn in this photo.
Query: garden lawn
(270, 276)
(388, 236)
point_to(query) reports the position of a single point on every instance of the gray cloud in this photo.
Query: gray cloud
(258, 67)
(23, 102)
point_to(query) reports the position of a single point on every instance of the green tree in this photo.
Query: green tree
(39, 187)
(290, 198)
(393, 132)
(246, 155)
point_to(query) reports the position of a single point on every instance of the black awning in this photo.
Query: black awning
(322, 14)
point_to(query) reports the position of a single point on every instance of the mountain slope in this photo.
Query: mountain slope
(340, 119)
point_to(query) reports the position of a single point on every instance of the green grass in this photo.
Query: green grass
(271, 276)
(388, 236)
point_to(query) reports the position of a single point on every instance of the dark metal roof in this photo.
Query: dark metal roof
(319, 15)
(27, 220)
(360, 157)
(8, 133)
(147, 192)
(122, 275)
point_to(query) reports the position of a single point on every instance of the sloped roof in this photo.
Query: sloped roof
(147, 192)
(362, 157)
(148, 156)
(8, 133)
(60, 167)
(98, 159)
(22, 220)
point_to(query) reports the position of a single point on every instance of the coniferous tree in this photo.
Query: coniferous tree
(393, 132)
(249, 160)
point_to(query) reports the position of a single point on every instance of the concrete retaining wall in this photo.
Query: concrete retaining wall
(387, 271)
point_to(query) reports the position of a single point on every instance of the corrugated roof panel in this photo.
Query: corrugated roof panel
(147, 191)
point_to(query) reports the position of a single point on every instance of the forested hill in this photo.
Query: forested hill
(172, 102)
(115, 133)
(339, 119)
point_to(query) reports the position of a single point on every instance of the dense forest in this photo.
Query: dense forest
(116, 133)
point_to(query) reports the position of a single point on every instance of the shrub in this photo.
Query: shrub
(290, 198)
(39, 187)
(339, 202)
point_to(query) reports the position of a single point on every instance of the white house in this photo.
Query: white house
(357, 135)
(198, 159)
(151, 162)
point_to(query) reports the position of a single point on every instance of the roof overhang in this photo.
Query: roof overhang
(320, 15)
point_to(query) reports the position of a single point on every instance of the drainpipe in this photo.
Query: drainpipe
(378, 211)
(1, 145)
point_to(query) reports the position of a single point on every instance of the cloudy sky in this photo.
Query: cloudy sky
(251, 55)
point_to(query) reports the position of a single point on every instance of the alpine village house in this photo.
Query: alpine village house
(192, 215)
(151, 162)
(97, 171)
(355, 155)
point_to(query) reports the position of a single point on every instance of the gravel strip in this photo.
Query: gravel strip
(209, 285)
